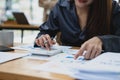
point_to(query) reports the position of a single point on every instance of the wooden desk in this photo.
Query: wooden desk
(19, 27)
(22, 69)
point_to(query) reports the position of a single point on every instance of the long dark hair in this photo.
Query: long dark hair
(99, 18)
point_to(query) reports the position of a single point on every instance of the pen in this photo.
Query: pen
(52, 38)
(84, 52)
(82, 57)
(79, 58)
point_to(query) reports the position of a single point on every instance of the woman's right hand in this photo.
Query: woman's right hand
(45, 41)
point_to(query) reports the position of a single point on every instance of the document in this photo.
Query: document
(104, 67)
(7, 56)
(53, 67)
(59, 64)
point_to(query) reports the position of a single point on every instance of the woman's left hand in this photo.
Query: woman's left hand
(93, 48)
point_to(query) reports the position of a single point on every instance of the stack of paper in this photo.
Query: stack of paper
(7, 56)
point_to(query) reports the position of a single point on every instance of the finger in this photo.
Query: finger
(88, 53)
(93, 53)
(49, 40)
(37, 42)
(41, 42)
(80, 52)
(46, 44)
(98, 53)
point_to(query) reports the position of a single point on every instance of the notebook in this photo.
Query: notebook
(20, 18)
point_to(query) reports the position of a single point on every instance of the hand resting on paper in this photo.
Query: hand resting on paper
(93, 48)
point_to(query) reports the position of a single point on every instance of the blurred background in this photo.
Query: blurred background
(33, 10)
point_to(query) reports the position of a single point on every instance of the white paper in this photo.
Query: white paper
(24, 47)
(7, 56)
(59, 64)
(37, 57)
(53, 67)
(104, 67)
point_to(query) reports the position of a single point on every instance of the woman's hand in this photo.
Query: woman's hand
(93, 48)
(45, 41)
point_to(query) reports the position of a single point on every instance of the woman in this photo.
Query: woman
(91, 24)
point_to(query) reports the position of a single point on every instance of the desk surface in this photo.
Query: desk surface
(21, 69)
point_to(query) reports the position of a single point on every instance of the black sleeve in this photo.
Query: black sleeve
(51, 26)
(111, 43)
